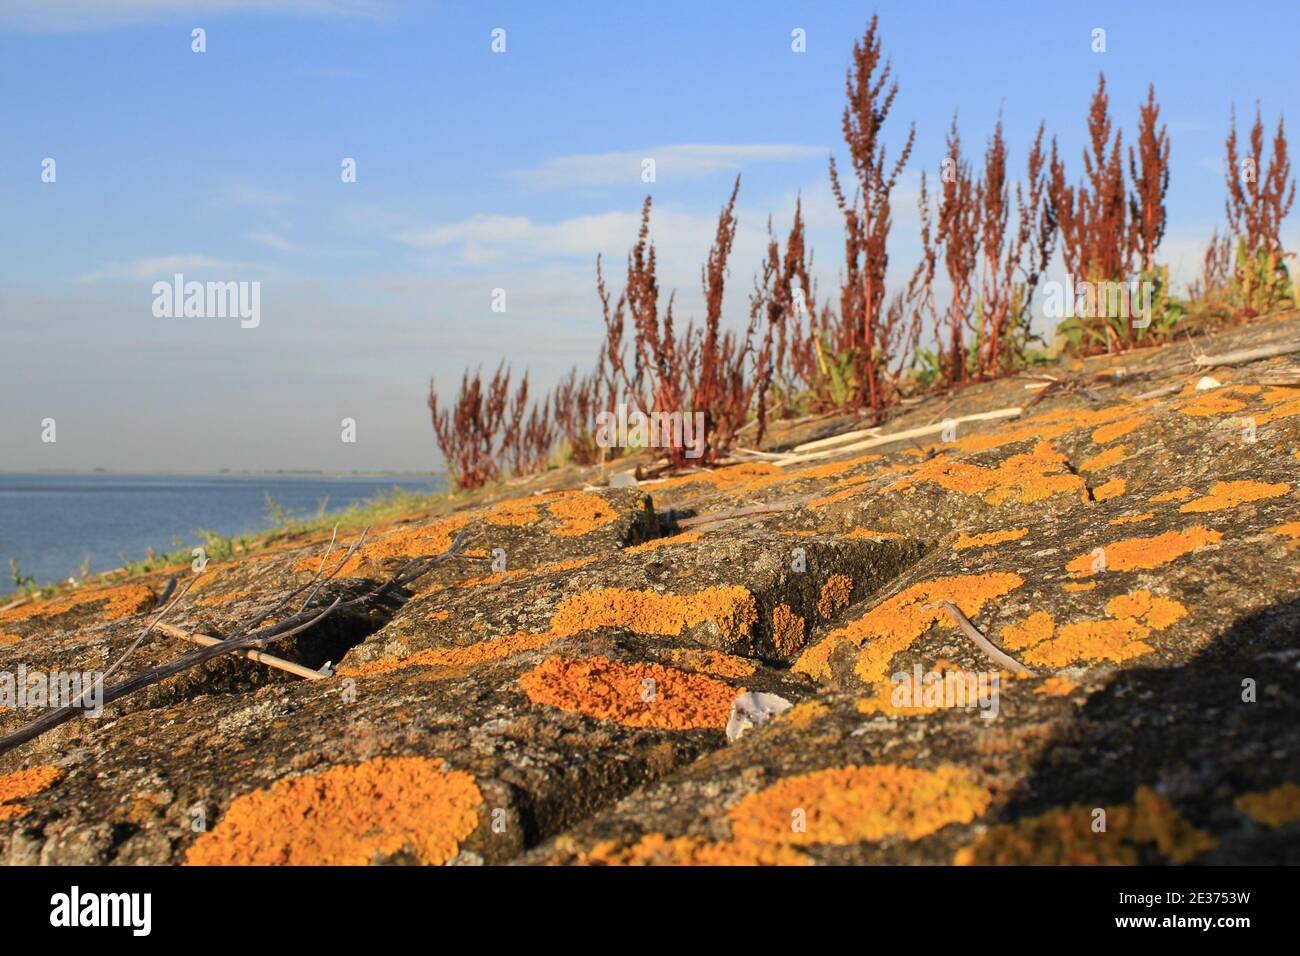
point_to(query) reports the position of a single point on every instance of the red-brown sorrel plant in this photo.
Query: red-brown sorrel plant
(876, 334)
(1149, 170)
(470, 432)
(1256, 206)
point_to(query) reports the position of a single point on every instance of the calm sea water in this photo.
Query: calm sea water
(50, 523)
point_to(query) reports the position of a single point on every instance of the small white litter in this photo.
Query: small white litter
(1206, 382)
(752, 709)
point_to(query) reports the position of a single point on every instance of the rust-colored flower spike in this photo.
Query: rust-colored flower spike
(873, 328)
(1257, 203)
(1149, 170)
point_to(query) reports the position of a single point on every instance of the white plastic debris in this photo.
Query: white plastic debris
(751, 709)
(1206, 383)
(624, 479)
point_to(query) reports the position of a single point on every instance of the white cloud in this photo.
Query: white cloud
(678, 162)
(164, 266)
(273, 240)
(74, 15)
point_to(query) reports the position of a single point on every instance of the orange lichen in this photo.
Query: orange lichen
(655, 849)
(22, 784)
(881, 700)
(787, 630)
(1230, 494)
(347, 816)
(1111, 489)
(411, 542)
(1132, 519)
(513, 513)
(1290, 529)
(1079, 586)
(1211, 403)
(833, 497)
(731, 609)
(581, 514)
(834, 469)
(119, 602)
(685, 537)
(802, 715)
(1056, 686)
(1132, 619)
(1064, 836)
(1273, 808)
(1111, 456)
(453, 657)
(634, 695)
(9, 638)
(714, 663)
(1023, 478)
(846, 805)
(1178, 494)
(724, 479)
(500, 576)
(875, 535)
(1108, 433)
(214, 599)
(988, 539)
(836, 593)
(1145, 553)
(895, 623)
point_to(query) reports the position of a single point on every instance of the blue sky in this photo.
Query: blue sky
(478, 171)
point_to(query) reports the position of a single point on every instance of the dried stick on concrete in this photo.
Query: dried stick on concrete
(1244, 356)
(840, 439)
(270, 660)
(247, 638)
(889, 439)
(979, 640)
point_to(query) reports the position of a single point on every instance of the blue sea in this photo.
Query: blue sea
(50, 524)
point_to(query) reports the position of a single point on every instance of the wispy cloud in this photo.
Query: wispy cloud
(677, 162)
(273, 240)
(59, 16)
(163, 267)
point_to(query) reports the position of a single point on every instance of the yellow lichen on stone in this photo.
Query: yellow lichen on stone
(1178, 494)
(787, 630)
(1132, 619)
(1108, 433)
(847, 805)
(1272, 808)
(1023, 478)
(1144, 553)
(118, 602)
(895, 623)
(835, 594)
(634, 695)
(988, 539)
(22, 784)
(513, 513)
(347, 816)
(655, 544)
(1132, 519)
(581, 514)
(714, 663)
(1111, 456)
(454, 657)
(1056, 686)
(413, 542)
(1229, 494)
(732, 610)
(1111, 489)
(1065, 836)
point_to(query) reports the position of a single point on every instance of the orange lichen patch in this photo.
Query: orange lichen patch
(1064, 836)
(440, 615)
(1230, 494)
(881, 700)
(655, 849)
(1211, 403)
(846, 805)
(1056, 686)
(731, 609)
(727, 478)
(987, 441)
(1132, 619)
(409, 542)
(1024, 478)
(988, 539)
(1290, 529)
(1273, 808)
(1111, 489)
(1111, 456)
(787, 630)
(794, 533)
(1108, 433)
(214, 599)
(685, 537)
(454, 657)
(347, 816)
(1132, 519)
(833, 469)
(804, 714)
(22, 784)
(833, 497)
(1033, 630)
(1079, 586)
(875, 535)
(120, 601)
(714, 663)
(1146, 553)
(581, 514)
(500, 576)
(835, 594)
(895, 623)
(9, 638)
(1286, 409)
(1178, 494)
(634, 695)
(513, 513)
